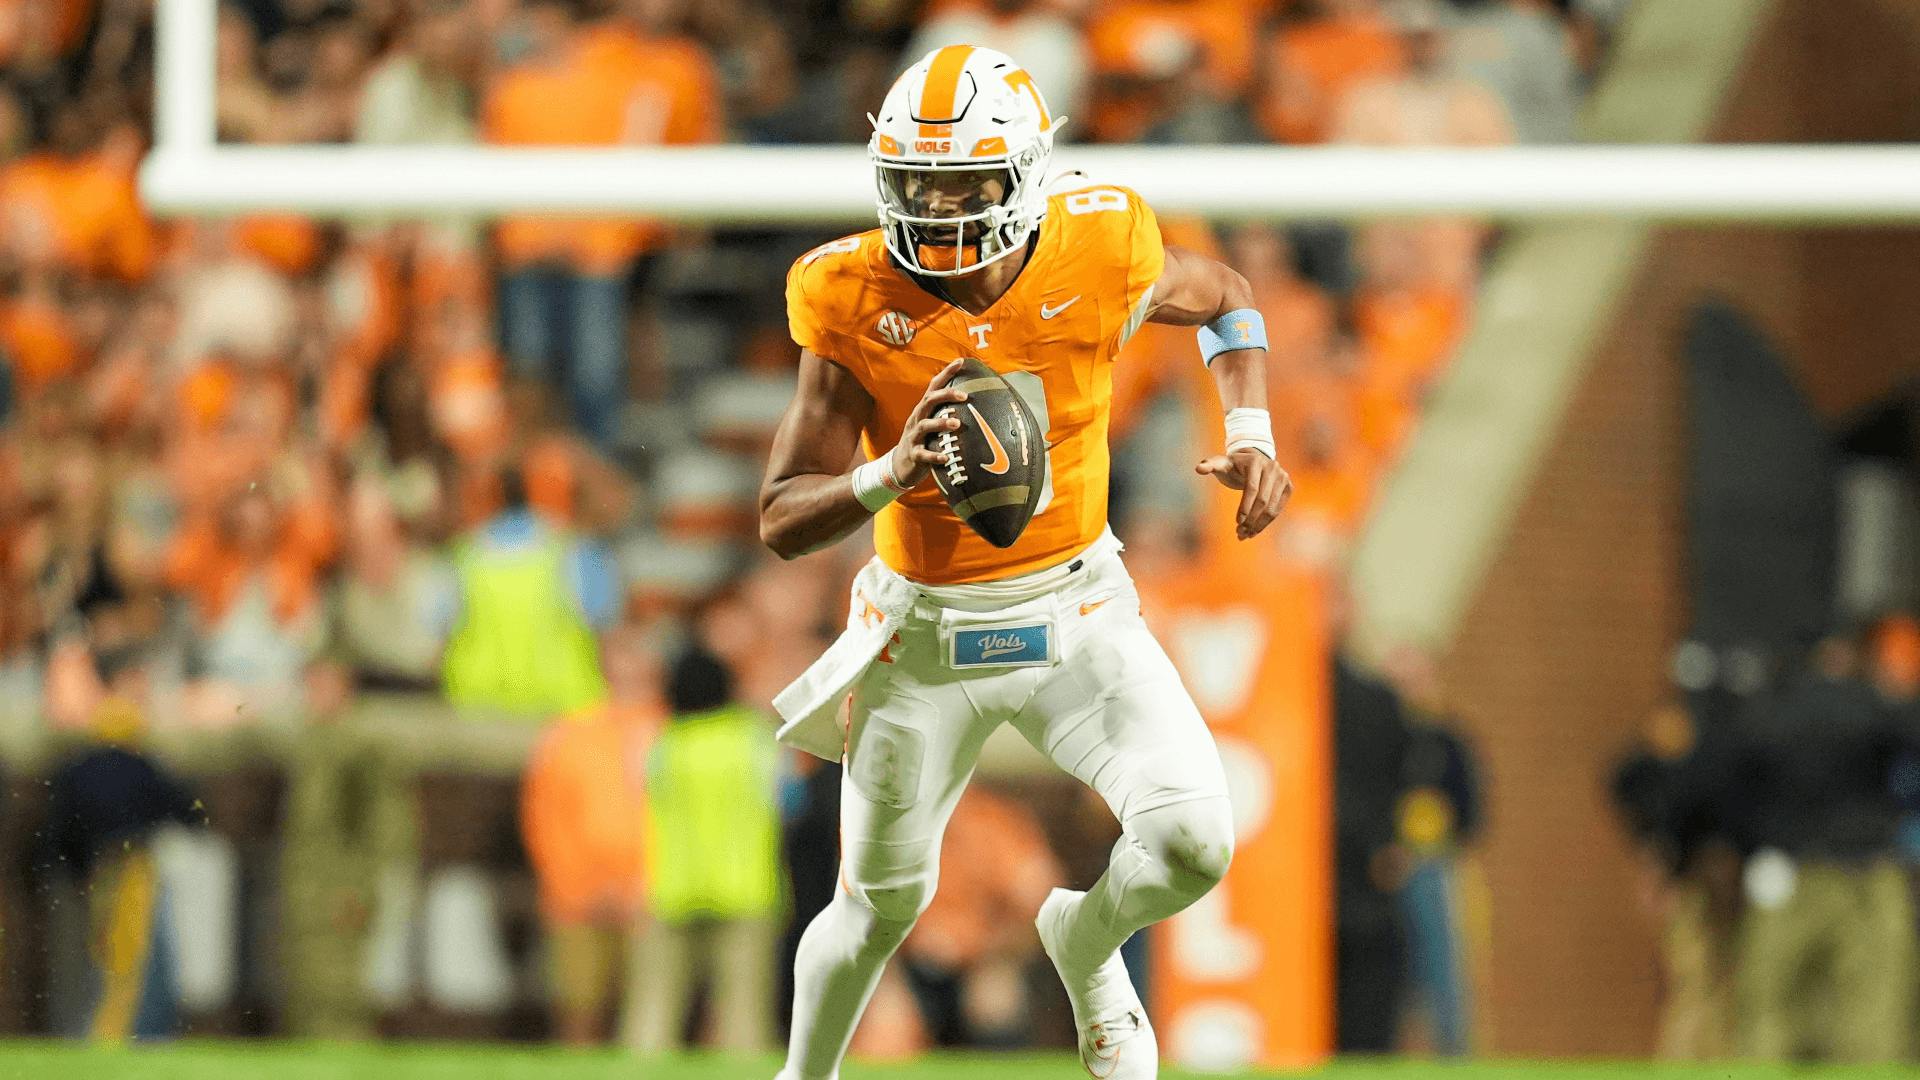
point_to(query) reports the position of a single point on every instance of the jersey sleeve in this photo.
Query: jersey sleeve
(803, 319)
(1147, 259)
(817, 296)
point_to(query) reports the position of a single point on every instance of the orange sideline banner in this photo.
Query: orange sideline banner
(1245, 976)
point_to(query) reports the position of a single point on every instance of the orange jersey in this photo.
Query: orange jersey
(1054, 334)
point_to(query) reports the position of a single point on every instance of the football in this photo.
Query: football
(996, 465)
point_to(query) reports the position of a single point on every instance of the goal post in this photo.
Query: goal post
(742, 184)
(189, 172)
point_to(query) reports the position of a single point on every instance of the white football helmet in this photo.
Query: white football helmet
(960, 152)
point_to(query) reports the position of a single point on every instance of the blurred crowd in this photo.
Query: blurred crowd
(246, 449)
(254, 468)
(1777, 807)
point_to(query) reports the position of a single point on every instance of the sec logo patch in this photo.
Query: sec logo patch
(895, 328)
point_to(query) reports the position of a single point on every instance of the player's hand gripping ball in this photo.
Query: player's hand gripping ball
(995, 462)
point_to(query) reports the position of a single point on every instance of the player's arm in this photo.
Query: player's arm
(809, 499)
(1194, 290)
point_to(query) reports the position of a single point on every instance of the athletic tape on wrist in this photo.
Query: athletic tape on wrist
(1250, 427)
(1241, 328)
(874, 485)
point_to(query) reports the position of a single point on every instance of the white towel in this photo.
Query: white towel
(809, 708)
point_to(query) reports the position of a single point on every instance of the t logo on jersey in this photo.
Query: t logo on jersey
(895, 328)
(980, 334)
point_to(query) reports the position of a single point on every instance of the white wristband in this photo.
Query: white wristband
(874, 485)
(1250, 428)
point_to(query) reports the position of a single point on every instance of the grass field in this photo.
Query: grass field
(283, 1061)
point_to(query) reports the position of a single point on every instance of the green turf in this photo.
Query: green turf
(288, 1061)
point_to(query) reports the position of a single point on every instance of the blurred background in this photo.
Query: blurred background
(1572, 708)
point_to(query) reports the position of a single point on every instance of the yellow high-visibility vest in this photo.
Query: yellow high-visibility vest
(521, 642)
(713, 818)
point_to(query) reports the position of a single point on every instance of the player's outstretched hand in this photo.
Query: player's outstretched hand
(1263, 485)
(912, 461)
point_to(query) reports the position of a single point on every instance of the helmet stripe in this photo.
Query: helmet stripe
(943, 84)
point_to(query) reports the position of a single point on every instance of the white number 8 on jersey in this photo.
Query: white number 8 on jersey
(1092, 202)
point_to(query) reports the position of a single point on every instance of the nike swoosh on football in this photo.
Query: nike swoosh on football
(998, 466)
(1049, 312)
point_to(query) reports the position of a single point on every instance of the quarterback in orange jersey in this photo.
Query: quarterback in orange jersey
(982, 254)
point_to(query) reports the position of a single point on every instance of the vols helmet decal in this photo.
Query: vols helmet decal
(960, 151)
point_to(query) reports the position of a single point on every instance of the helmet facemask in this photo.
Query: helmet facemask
(949, 218)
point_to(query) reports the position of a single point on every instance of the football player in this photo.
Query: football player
(978, 254)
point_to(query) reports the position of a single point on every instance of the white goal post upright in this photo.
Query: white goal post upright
(187, 172)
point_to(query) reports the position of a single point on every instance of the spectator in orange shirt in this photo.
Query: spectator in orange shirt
(1412, 304)
(36, 337)
(582, 813)
(466, 392)
(1167, 70)
(73, 207)
(564, 293)
(1311, 66)
(253, 577)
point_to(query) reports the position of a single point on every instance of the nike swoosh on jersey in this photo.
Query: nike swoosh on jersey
(1049, 312)
(1092, 606)
(998, 466)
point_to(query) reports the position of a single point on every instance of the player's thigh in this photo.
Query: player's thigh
(1116, 716)
(911, 746)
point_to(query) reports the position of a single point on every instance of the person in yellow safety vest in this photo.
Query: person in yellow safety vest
(526, 602)
(714, 883)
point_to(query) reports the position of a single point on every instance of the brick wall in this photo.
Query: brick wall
(1565, 647)
(1559, 654)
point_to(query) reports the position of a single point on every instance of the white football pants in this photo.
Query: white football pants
(1109, 709)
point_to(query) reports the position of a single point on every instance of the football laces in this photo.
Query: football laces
(948, 443)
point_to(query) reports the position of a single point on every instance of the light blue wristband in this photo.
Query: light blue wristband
(1241, 328)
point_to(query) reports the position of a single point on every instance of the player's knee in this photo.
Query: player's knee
(900, 905)
(1196, 844)
(1202, 860)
